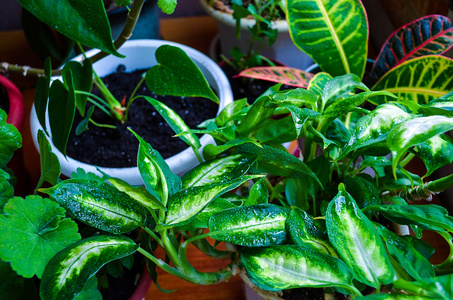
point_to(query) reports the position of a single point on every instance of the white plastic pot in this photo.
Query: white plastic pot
(141, 54)
(283, 50)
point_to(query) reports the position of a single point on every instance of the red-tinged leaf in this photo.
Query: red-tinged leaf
(425, 36)
(285, 75)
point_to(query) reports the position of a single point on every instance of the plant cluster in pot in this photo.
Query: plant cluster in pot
(93, 30)
(320, 221)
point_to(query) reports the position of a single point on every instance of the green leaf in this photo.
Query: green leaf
(435, 152)
(428, 216)
(364, 190)
(82, 78)
(84, 20)
(139, 193)
(297, 191)
(318, 83)
(10, 139)
(70, 270)
(277, 162)
(438, 287)
(357, 241)
(372, 129)
(253, 226)
(50, 166)
(259, 194)
(33, 230)
(340, 87)
(99, 205)
(283, 267)
(333, 33)
(276, 131)
(167, 6)
(259, 111)
(413, 132)
(218, 170)
(176, 74)
(189, 202)
(14, 286)
(420, 79)
(410, 260)
(42, 94)
(61, 112)
(6, 189)
(230, 112)
(176, 123)
(304, 231)
(156, 174)
(210, 151)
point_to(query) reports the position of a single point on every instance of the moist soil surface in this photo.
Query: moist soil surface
(118, 147)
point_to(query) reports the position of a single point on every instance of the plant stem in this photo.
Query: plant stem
(132, 98)
(428, 189)
(167, 245)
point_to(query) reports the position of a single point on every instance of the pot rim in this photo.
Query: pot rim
(180, 162)
(227, 19)
(16, 113)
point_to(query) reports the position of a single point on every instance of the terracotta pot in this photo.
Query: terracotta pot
(140, 54)
(282, 50)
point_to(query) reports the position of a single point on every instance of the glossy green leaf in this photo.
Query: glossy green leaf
(167, 6)
(210, 151)
(99, 205)
(84, 20)
(176, 123)
(282, 267)
(340, 87)
(139, 193)
(363, 190)
(333, 33)
(61, 112)
(220, 135)
(410, 260)
(300, 116)
(82, 78)
(435, 152)
(297, 192)
(295, 97)
(218, 170)
(439, 287)
(6, 189)
(425, 36)
(33, 230)
(277, 162)
(42, 94)
(70, 270)
(434, 107)
(372, 129)
(276, 131)
(253, 226)
(176, 74)
(279, 74)
(318, 82)
(357, 241)
(230, 111)
(403, 179)
(412, 132)
(259, 194)
(304, 231)
(189, 202)
(425, 216)
(260, 110)
(10, 139)
(156, 174)
(420, 79)
(50, 166)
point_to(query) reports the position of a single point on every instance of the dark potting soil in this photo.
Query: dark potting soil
(304, 294)
(4, 99)
(118, 147)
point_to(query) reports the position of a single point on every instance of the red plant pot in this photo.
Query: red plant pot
(16, 111)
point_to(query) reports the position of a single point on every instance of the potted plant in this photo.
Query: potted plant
(322, 220)
(258, 26)
(347, 44)
(98, 35)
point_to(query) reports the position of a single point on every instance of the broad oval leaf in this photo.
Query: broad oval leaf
(357, 241)
(50, 166)
(139, 193)
(84, 20)
(428, 35)
(332, 32)
(340, 87)
(10, 139)
(318, 82)
(415, 131)
(68, 272)
(420, 79)
(187, 203)
(259, 194)
(279, 74)
(176, 74)
(282, 267)
(253, 226)
(218, 170)
(33, 230)
(435, 152)
(98, 205)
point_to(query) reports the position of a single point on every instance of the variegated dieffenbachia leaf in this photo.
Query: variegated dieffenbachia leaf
(428, 35)
(435, 152)
(333, 33)
(357, 241)
(420, 79)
